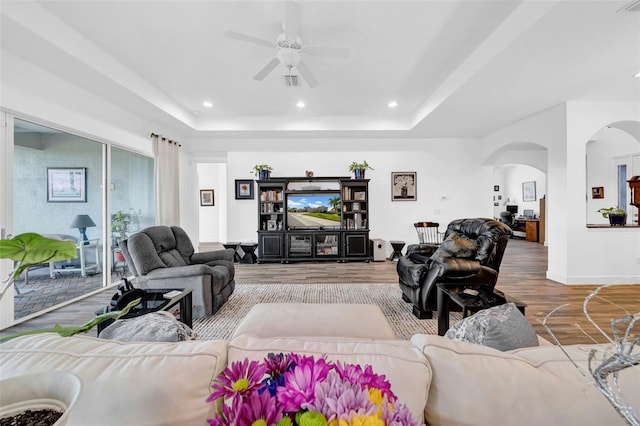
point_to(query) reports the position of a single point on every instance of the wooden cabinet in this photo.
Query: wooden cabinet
(324, 218)
(531, 229)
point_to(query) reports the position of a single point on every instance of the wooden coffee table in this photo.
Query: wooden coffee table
(486, 298)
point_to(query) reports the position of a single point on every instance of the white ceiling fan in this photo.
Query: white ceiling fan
(290, 48)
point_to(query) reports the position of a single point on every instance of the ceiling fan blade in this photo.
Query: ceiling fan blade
(292, 19)
(307, 74)
(267, 69)
(328, 52)
(249, 39)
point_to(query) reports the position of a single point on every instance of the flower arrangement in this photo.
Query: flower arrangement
(293, 389)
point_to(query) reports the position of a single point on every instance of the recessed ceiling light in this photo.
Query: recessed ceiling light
(207, 104)
(300, 104)
(392, 104)
(637, 75)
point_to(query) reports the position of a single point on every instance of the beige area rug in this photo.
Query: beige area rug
(387, 296)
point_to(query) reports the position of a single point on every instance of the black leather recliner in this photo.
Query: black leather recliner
(418, 273)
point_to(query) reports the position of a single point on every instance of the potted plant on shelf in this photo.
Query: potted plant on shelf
(616, 216)
(262, 171)
(358, 169)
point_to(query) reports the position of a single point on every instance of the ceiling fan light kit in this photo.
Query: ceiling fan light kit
(289, 49)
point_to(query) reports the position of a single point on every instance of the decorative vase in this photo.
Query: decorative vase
(263, 174)
(55, 390)
(359, 173)
(617, 219)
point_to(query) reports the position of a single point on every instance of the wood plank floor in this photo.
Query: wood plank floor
(522, 276)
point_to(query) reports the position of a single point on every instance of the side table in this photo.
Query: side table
(249, 250)
(397, 247)
(153, 300)
(470, 304)
(235, 246)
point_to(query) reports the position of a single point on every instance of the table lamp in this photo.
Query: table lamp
(82, 222)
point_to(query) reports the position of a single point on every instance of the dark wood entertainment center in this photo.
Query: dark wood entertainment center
(313, 218)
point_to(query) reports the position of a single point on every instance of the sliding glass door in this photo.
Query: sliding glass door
(57, 192)
(69, 187)
(132, 200)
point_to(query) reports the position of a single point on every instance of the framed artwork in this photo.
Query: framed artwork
(496, 188)
(272, 225)
(66, 184)
(404, 186)
(206, 197)
(597, 192)
(244, 189)
(529, 191)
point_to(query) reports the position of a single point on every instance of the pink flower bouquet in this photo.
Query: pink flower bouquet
(293, 389)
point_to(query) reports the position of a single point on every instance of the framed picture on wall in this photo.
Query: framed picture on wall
(404, 186)
(244, 189)
(66, 185)
(529, 191)
(597, 192)
(206, 197)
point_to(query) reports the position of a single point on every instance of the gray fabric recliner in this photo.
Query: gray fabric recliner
(163, 257)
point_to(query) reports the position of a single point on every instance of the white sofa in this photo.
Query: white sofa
(450, 383)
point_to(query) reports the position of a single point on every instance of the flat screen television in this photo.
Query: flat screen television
(313, 210)
(512, 209)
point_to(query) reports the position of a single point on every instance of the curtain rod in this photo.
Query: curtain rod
(155, 135)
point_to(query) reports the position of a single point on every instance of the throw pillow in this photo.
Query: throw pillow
(501, 327)
(158, 326)
(456, 245)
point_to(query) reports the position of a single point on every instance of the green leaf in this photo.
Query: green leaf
(70, 331)
(31, 249)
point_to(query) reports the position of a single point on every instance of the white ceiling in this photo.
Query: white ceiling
(456, 68)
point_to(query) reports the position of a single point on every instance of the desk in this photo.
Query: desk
(530, 227)
(84, 267)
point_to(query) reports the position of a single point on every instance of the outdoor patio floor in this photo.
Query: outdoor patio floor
(44, 291)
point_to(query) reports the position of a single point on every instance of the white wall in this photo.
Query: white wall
(605, 150)
(444, 192)
(34, 93)
(512, 178)
(212, 176)
(577, 255)
(596, 255)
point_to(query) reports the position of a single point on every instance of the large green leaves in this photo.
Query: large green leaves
(32, 249)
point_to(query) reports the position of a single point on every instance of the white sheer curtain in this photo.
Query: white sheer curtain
(167, 175)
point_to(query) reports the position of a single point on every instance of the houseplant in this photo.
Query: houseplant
(29, 397)
(262, 171)
(359, 168)
(616, 216)
(119, 224)
(32, 249)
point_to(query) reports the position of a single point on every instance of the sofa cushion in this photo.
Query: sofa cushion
(125, 383)
(474, 384)
(501, 327)
(404, 367)
(316, 319)
(143, 253)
